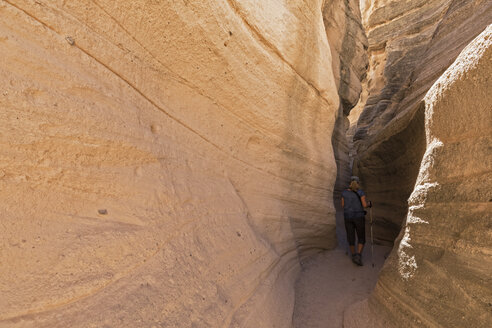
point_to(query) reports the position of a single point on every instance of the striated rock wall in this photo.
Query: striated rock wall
(411, 43)
(162, 163)
(439, 275)
(348, 44)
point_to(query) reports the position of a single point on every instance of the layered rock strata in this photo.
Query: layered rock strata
(348, 44)
(162, 163)
(411, 43)
(439, 274)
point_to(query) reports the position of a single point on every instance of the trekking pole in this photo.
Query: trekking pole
(372, 239)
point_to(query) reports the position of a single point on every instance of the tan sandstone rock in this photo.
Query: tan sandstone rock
(411, 43)
(162, 163)
(348, 44)
(439, 273)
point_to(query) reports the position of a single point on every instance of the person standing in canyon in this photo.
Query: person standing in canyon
(353, 204)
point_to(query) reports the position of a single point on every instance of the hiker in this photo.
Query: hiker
(353, 204)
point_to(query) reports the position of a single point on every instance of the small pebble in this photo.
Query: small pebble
(102, 212)
(70, 40)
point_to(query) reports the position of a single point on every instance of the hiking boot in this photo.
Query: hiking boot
(354, 258)
(357, 259)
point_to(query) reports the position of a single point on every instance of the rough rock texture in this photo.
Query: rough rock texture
(411, 43)
(163, 163)
(439, 275)
(348, 44)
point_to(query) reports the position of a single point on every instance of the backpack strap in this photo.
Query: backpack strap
(360, 200)
(358, 196)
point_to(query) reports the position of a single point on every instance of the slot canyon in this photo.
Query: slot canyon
(180, 163)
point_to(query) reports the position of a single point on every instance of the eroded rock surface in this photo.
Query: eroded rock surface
(348, 44)
(411, 43)
(162, 163)
(439, 273)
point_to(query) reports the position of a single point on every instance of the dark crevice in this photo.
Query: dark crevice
(389, 172)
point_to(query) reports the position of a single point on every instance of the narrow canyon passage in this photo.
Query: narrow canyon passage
(178, 164)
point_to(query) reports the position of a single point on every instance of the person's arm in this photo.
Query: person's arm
(364, 203)
(363, 200)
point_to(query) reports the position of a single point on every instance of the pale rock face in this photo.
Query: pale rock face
(162, 163)
(348, 44)
(439, 273)
(411, 43)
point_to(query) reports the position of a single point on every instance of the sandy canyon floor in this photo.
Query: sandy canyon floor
(330, 283)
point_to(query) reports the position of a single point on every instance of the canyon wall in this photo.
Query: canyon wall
(423, 153)
(411, 43)
(348, 44)
(164, 163)
(439, 274)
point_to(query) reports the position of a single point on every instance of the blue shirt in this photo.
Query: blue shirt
(352, 208)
